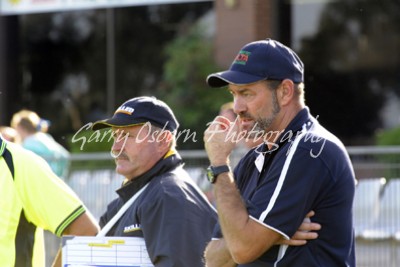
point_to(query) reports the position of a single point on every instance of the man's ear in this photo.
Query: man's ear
(164, 139)
(286, 92)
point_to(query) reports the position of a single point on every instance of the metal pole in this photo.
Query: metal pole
(9, 58)
(110, 61)
(3, 94)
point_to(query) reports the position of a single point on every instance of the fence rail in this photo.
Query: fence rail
(368, 161)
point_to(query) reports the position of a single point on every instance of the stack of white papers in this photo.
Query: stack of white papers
(85, 251)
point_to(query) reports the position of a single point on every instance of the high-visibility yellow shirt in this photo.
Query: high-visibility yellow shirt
(31, 200)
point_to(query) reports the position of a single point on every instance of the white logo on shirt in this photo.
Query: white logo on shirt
(132, 228)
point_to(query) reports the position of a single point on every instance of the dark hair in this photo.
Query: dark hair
(298, 88)
(273, 84)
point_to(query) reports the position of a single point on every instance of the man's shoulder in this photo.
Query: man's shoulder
(173, 179)
(24, 155)
(319, 146)
(175, 183)
(27, 165)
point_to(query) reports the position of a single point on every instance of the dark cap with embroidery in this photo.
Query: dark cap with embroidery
(261, 60)
(139, 111)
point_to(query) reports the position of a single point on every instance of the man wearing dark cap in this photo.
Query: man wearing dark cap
(300, 167)
(170, 212)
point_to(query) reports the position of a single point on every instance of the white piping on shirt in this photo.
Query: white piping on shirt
(278, 188)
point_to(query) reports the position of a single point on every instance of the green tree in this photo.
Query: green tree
(390, 137)
(189, 62)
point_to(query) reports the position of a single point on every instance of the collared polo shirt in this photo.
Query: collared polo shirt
(32, 199)
(306, 169)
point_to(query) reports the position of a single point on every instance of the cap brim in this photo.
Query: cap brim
(113, 122)
(101, 125)
(224, 78)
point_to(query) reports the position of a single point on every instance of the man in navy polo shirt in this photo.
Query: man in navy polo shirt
(299, 167)
(170, 212)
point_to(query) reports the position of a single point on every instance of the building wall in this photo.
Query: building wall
(239, 22)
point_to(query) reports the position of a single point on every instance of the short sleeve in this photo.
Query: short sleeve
(47, 201)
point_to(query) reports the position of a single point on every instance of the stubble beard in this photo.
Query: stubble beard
(262, 125)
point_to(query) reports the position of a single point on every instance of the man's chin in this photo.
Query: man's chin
(246, 127)
(255, 134)
(122, 172)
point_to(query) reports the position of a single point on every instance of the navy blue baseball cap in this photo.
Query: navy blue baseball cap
(261, 60)
(138, 111)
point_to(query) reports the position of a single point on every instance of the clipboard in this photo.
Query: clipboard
(93, 251)
(106, 251)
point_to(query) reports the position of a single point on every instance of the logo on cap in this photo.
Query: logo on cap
(242, 57)
(125, 110)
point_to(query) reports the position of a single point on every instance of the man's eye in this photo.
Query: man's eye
(120, 136)
(246, 94)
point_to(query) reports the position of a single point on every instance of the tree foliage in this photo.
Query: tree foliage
(390, 137)
(189, 62)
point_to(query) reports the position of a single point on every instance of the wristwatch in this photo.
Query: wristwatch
(213, 172)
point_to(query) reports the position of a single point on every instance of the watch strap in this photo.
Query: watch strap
(214, 171)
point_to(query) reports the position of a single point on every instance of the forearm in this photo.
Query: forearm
(57, 260)
(245, 238)
(217, 255)
(232, 212)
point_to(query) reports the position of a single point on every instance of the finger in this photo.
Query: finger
(304, 235)
(314, 226)
(310, 214)
(223, 122)
(292, 242)
(309, 226)
(219, 123)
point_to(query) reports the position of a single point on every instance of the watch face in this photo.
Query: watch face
(210, 175)
(213, 172)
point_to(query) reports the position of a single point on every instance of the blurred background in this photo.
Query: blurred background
(74, 62)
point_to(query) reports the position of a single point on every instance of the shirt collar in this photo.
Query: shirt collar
(299, 120)
(291, 131)
(3, 145)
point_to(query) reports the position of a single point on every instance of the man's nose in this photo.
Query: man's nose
(239, 106)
